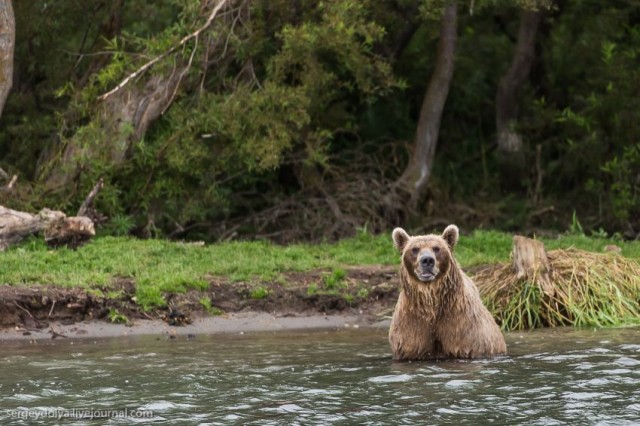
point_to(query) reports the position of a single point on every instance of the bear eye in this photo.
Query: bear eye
(415, 250)
(436, 249)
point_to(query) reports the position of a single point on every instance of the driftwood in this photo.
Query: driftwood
(530, 262)
(57, 228)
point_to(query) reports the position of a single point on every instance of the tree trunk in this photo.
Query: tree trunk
(7, 43)
(404, 36)
(416, 175)
(125, 113)
(510, 146)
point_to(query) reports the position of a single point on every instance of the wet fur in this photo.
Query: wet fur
(444, 318)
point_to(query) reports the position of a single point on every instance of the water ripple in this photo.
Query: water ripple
(343, 378)
(391, 378)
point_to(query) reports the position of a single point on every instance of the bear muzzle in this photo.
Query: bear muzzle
(426, 270)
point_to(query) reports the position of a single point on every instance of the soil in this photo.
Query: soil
(368, 292)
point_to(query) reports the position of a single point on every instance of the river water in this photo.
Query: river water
(551, 377)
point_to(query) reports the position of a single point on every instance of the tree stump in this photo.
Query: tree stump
(530, 262)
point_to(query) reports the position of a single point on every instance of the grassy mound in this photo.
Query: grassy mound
(590, 289)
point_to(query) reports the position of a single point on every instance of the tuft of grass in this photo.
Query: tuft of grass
(522, 310)
(116, 317)
(363, 293)
(259, 292)
(211, 310)
(589, 289)
(312, 289)
(149, 297)
(335, 279)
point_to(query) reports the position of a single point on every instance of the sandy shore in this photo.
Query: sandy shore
(245, 322)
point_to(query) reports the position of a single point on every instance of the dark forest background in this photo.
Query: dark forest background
(309, 120)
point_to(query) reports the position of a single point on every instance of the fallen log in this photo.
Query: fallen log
(57, 228)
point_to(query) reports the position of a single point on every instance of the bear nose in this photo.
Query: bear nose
(427, 261)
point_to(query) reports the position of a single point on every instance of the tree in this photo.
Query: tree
(511, 152)
(415, 177)
(125, 113)
(292, 120)
(7, 43)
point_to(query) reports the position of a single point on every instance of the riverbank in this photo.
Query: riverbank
(235, 323)
(364, 297)
(126, 281)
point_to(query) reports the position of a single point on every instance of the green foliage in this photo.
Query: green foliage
(575, 228)
(120, 225)
(282, 100)
(624, 183)
(230, 137)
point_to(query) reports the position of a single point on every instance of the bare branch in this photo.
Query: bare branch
(9, 186)
(157, 59)
(182, 73)
(86, 205)
(11, 183)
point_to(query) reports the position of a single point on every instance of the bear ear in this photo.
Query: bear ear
(400, 238)
(450, 235)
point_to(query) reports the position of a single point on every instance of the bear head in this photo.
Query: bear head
(426, 258)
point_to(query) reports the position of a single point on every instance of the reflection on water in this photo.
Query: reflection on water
(550, 377)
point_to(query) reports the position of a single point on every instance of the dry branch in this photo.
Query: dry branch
(12, 182)
(88, 202)
(10, 185)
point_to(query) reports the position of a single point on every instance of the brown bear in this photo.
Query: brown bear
(439, 313)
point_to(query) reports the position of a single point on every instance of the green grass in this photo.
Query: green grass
(259, 292)
(160, 266)
(335, 279)
(483, 247)
(207, 305)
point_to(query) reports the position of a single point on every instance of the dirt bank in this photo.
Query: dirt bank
(298, 300)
